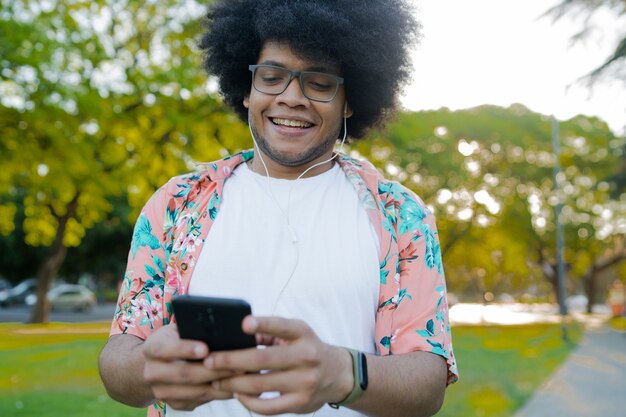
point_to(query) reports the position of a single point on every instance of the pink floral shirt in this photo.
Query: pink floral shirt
(412, 310)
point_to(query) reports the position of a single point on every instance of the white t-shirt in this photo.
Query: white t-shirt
(329, 277)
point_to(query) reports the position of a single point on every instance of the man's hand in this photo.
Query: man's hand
(175, 373)
(307, 372)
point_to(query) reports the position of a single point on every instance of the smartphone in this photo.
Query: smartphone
(215, 321)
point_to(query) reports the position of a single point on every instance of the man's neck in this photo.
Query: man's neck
(276, 170)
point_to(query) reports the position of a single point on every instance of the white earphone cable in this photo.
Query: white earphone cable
(267, 175)
(285, 212)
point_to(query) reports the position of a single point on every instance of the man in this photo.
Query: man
(335, 260)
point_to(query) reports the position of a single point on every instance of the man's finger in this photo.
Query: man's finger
(287, 329)
(167, 345)
(182, 349)
(181, 372)
(256, 384)
(184, 397)
(271, 358)
(291, 402)
(200, 393)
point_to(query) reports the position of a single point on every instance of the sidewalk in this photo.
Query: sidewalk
(590, 383)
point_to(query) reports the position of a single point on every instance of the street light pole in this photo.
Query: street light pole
(559, 229)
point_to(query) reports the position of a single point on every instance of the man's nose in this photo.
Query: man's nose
(293, 94)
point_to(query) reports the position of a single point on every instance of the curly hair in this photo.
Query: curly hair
(370, 40)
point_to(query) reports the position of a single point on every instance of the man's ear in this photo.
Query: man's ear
(246, 101)
(347, 110)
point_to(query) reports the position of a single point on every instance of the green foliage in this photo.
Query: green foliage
(487, 172)
(18, 260)
(100, 100)
(103, 251)
(103, 101)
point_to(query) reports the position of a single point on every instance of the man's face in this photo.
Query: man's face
(292, 130)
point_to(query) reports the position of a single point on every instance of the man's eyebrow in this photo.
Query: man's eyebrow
(313, 69)
(273, 63)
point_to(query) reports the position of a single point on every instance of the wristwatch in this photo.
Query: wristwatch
(359, 368)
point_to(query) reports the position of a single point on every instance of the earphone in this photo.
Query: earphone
(292, 232)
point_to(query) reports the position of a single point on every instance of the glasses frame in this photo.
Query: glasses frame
(293, 74)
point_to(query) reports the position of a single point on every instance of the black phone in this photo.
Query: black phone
(215, 321)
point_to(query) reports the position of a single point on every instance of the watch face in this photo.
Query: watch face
(362, 371)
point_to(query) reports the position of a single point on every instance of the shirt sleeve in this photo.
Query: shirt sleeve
(421, 320)
(140, 305)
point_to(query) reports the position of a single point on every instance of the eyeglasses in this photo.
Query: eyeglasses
(317, 86)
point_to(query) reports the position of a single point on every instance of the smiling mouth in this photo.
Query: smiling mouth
(291, 123)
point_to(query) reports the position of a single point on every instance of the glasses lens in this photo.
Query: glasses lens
(271, 80)
(319, 86)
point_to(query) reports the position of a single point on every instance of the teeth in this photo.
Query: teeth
(291, 123)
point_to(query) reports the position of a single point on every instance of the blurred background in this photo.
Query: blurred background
(514, 129)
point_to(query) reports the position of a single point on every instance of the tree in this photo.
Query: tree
(614, 65)
(595, 220)
(99, 100)
(487, 173)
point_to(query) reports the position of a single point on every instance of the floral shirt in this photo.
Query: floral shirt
(168, 236)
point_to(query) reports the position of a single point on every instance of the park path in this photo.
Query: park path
(590, 383)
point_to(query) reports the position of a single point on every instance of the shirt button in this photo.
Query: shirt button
(183, 266)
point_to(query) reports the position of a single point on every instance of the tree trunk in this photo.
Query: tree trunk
(50, 267)
(550, 274)
(591, 276)
(45, 276)
(589, 281)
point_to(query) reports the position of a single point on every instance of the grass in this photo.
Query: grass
(51, 370)
(618, 323)
(501, 366)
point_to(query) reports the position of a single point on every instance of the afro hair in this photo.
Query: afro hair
(370, 40)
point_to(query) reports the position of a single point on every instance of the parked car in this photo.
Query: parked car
(72, 297)
(5, 286)
(19, 293)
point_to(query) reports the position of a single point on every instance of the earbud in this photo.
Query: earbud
(345, 109)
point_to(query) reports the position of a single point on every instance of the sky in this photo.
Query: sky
(501, 52)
